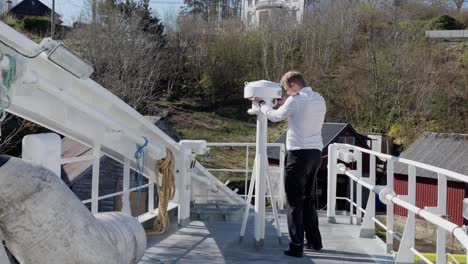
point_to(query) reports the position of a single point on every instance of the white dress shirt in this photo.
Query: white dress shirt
(305, 112)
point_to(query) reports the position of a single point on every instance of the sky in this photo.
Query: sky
(71, 10)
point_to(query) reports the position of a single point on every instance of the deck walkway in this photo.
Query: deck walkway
(218, 242)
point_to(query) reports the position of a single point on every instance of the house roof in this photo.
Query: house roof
(72, 148)
(329, 132)
(447, 151)
(28, 5)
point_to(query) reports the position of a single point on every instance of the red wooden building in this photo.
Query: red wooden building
(448, 151)
(331, 133)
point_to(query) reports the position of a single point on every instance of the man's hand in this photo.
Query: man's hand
(255, 99)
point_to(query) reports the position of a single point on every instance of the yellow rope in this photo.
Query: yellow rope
(166, 192)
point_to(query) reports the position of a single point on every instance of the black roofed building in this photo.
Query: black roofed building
(31, 8)
(78, 175)
(447, 151)
(331, 133)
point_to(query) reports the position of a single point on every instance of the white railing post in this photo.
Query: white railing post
(281, 191)
(368, 225)
(95, 178)
(358, 155)
(351, 200)
(126, 187)
(151, 192)
(246, 169)
(441, 210)
(44, 149)
(407, 241)
(331, 183)
(389, 236)
(182, 185)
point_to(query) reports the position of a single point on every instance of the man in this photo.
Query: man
(305, 111)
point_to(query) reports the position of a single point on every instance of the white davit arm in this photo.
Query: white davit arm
(51, 88)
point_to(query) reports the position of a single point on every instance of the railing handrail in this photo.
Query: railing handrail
(434, 215)
(448, 173)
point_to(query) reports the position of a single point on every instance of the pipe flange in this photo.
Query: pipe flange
(383, 193)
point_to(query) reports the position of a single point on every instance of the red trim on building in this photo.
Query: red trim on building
(426, 195)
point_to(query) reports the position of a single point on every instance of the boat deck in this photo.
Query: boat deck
(218, 242)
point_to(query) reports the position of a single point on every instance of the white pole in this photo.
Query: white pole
(331, 183)
(358, 186)
(95, 178)
(389, 238)
(126, 187)
(442, 211)
(261, 170)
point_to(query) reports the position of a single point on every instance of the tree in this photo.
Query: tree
(126, 47)
(459, 4)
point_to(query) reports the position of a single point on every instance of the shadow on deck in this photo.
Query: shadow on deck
(218, 242)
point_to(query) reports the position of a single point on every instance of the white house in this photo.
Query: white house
(256, 12)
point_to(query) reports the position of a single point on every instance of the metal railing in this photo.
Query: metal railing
(280, 196)
(126, 190)
(434, 215)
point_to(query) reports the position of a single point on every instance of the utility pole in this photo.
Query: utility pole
(52, 20)
(93, 10)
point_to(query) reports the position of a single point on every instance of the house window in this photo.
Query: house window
(263, 17)
(347, 140)
(33, 2)
(256, 2)
(249, 18)
(294, 14)
(250, 2)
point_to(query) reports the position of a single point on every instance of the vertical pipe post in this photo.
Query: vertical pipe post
(351, 200)
(95, 178)
(389, 236)
(331, 183)
(246, 169)
(126, 187)
(368, 225)
(358, 155)
(260, 182)
(407, 240)
(151, 181)
(442, 210)
(281, 190)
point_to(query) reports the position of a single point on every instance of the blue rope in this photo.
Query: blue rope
(140, 165)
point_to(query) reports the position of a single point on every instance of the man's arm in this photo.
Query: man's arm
(282, 113)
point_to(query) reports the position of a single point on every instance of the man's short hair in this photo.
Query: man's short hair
(292, 77)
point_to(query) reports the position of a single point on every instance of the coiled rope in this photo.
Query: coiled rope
(167, 189)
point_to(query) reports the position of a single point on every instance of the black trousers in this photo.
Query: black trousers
(300, 187)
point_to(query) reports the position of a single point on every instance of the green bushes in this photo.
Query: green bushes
(37, 25)
(444, 22)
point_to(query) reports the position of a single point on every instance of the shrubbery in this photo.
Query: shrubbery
(444, 22)
(37, 25)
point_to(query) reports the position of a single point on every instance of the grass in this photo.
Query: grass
(425, 238)
(187, 117)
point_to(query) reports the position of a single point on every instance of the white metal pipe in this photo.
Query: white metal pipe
(358, 186)
(95, 178)
(76, 159)
(448, 173)
(331, 183)
(457, 231)
(53, 226)
(441, 210)
(234, 144)
(116, 194)
(389, 217)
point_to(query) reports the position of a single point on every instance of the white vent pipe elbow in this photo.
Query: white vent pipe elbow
(42, 221)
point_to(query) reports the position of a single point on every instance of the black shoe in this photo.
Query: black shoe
(293, 253)
(312, 247)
